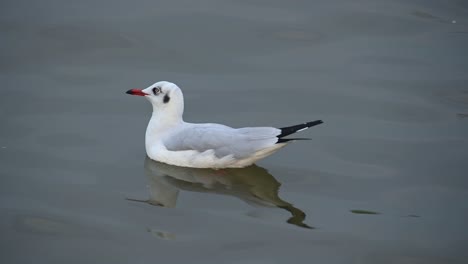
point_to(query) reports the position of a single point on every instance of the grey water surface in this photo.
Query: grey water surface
(383, 180)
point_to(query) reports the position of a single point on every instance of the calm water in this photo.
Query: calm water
(384, 180)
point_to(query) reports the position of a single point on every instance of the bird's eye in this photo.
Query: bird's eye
(157, 90)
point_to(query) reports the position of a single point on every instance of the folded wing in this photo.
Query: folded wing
(223, 140)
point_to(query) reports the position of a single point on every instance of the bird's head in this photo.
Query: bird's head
(164, 96)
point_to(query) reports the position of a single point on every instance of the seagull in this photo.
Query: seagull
(170, 140)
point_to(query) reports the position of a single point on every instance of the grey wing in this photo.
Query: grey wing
(224, 140)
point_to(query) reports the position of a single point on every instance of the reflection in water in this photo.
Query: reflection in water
(253, 184)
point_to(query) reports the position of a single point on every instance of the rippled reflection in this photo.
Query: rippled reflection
(253, 184)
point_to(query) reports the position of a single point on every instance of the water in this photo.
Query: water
(382, 181)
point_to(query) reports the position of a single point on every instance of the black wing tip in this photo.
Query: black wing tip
(285, 131)
(283, 140)
(314, 123)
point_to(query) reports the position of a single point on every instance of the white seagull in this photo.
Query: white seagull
(171, 140)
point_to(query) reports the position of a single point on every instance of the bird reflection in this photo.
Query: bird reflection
(253, 184)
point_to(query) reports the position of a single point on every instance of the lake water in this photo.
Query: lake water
(384, 179)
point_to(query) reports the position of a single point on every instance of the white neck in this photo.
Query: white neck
(163, 119)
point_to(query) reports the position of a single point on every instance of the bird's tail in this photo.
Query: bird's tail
(286, 131)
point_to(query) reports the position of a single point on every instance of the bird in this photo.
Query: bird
(169, 139)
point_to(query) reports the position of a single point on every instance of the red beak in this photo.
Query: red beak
(136, 92)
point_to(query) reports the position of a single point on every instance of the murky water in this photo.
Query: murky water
(384, 180)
